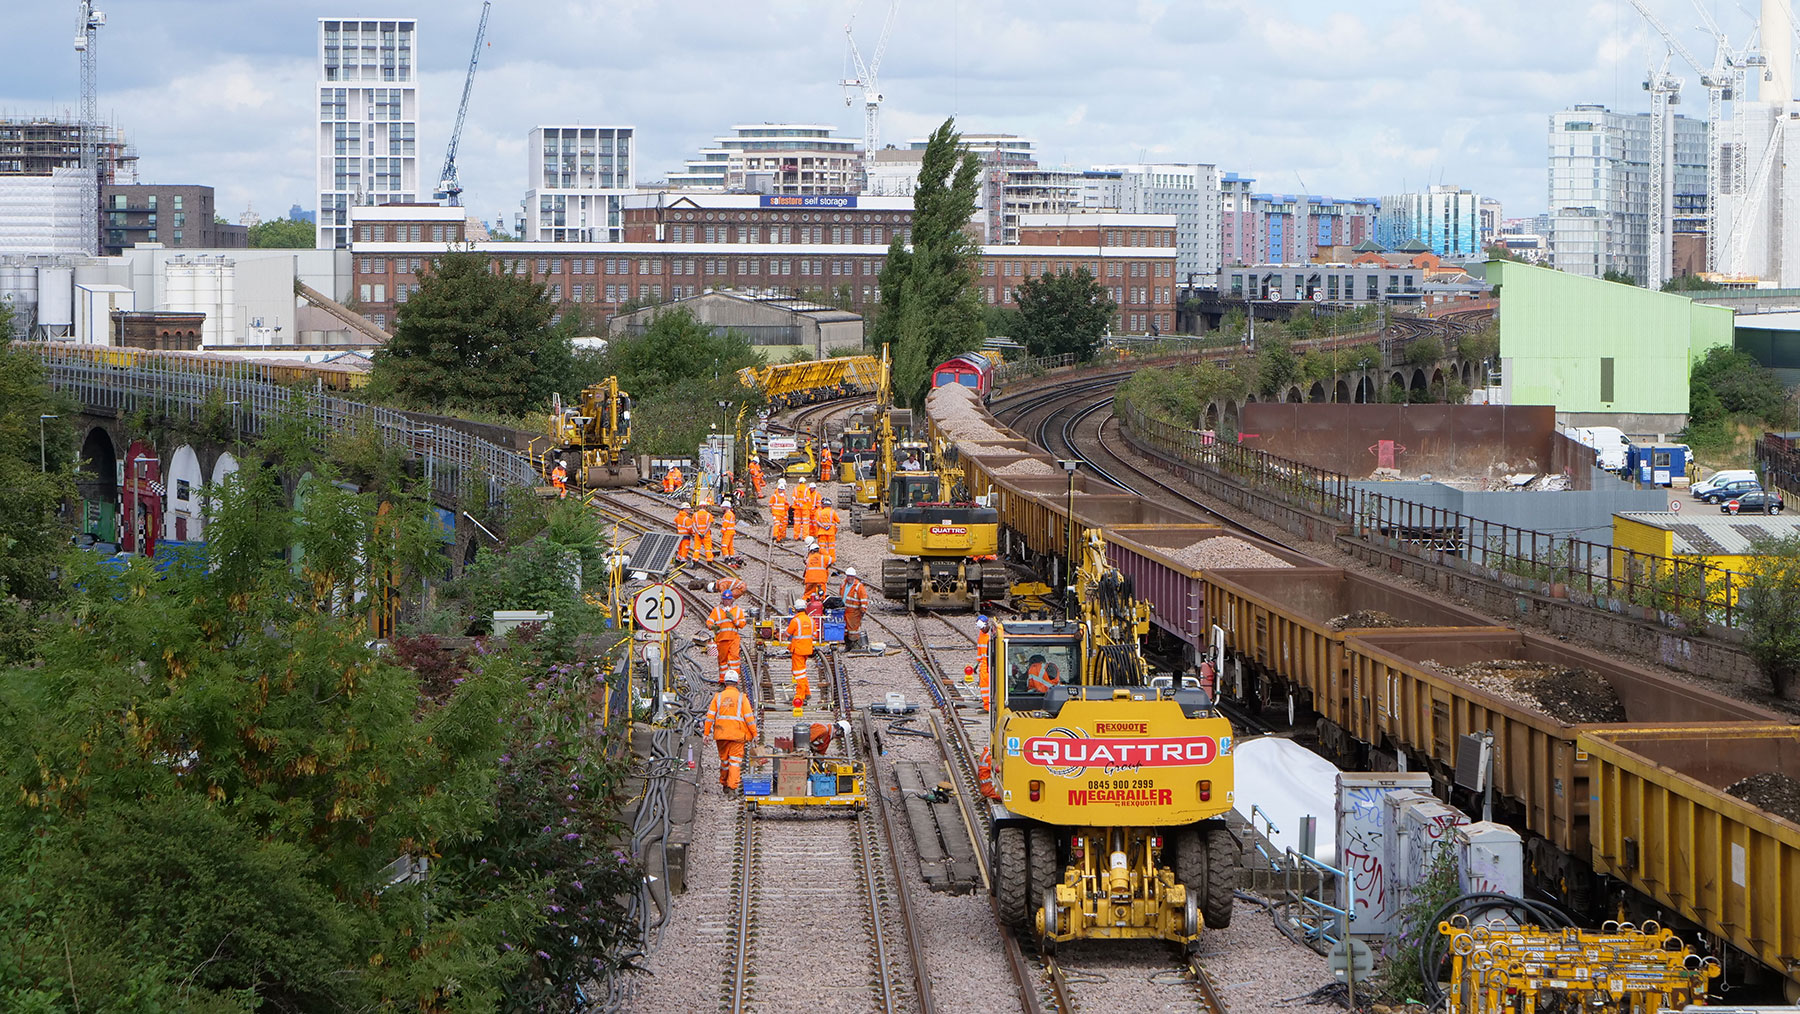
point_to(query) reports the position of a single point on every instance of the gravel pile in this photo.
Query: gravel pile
(1029, 466)
(1222, 552)
(1572, 696)
(1363, 619)
(1773, 791)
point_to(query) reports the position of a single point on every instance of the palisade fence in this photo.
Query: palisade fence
(450, 459)
(1668, 590)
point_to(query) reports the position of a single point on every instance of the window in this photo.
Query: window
(183, 490)
(367, 292)
(178, 202)
(417, 232)
(556, 293)
(380, 293)
(1606, 379)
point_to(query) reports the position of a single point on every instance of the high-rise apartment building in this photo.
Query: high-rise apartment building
(1189, 191)
(1599, 183)
(578, 177)
(1446, 219)
(775, 158)
(1288, 228)
(368, 122)
(35, 145)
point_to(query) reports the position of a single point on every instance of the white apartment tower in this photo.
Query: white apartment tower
(578, 177)
(1189, 191)
(367, 142)
(1599, 184)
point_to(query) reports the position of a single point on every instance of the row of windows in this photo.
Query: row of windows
(407, 234)
(1138, 237)
(868, 235)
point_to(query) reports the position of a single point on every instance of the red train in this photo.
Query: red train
(971, 370)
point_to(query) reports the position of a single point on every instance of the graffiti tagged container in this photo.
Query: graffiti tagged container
(1364, 840)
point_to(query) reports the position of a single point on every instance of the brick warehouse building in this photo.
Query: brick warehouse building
(679, 245)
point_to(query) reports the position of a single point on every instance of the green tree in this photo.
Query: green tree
(929, 310)
(1422, 351)
(1498, 252)
(474, 339)
(1610, 275)
(1063, 313)
(37, 481)
(678, 371)
(1690, 283)
(1277, 368)
(284, 233)
(1002, 322)
(1769, 609)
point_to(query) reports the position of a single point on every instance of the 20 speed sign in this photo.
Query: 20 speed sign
(657, 608)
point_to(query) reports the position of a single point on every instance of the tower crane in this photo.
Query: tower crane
(866, 83)
(87, 39)
(1665, 92)
(449, 188)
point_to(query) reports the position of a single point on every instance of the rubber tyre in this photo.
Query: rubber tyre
(1011, 878)
(1220, 892)
(1046, 872)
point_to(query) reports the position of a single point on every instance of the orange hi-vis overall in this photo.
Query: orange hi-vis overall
(734, 585)
(805, 501)
(684, 527)
(817, 572)
(778, 515)
(856, 602)
(671, 479)
(703, 535)
(800, 634)
(756, 478)
(559, 478)
(727, 532)
(727, 623)
(982, 641)
(825, 466)
(731, 722)
(825, 527)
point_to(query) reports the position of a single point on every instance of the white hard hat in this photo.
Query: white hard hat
(726, 502)
(731, 676)
(811, 542)
(849, 571)
(781, 485)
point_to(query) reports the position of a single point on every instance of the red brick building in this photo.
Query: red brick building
(681, 244)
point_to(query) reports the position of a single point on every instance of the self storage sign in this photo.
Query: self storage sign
(1069, 752)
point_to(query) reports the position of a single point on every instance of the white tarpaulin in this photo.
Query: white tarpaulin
(1288, 782)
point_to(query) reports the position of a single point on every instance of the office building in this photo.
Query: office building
(368, 120)
(579, 176)
(1599, 185)
(1447, 220)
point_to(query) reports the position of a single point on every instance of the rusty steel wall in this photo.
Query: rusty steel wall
(1443, 440)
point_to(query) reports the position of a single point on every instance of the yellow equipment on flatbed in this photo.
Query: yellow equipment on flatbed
(1112, 792)
(595, 431)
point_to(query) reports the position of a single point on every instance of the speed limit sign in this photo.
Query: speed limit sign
(657, 608)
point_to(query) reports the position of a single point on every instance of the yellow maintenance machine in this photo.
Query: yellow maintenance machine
(1621, 969)
(867, 448)
(596, 431)
(948, 545)
(1109, 821)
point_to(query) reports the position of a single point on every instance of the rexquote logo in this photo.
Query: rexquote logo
(1121, 728)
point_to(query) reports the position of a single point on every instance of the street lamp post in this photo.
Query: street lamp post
(1070, 465)
(43, 461)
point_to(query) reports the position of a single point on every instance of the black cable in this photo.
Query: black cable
(1433, 946)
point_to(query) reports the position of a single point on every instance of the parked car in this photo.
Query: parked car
(1726, 491)
(1754, 502)
(1718, 478)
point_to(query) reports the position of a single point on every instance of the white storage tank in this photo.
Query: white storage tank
(56, 300)
(19, 286)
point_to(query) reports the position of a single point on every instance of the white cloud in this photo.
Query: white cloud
(1353, 100)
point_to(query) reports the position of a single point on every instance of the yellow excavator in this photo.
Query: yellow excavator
(1109, 790)
(947, 545)
(595, 431)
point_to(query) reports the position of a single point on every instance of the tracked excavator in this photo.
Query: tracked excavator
(595, 431)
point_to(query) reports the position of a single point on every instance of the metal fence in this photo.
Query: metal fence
(1672, 589)
(451, 459)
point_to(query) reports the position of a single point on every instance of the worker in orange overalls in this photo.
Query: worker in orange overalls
(727, 530)
(731, 722)
(983, 638)
(735, 585)
(672, 479)
(1037, 679)
(727, 622)
(801, 630)
(985, 772)
(856, 602)
(825, 472)
(778, 513)
(817, 570)
(703, 534)
(756, 478)
(684, 527)
(825, 528)
(802, 503)
(559, 477)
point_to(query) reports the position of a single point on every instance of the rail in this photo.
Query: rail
(1669, 590)
(451, 460)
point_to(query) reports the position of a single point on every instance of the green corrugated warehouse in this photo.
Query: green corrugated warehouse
(1605, 354)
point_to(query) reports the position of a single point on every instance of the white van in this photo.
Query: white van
(1720, 478)
(1608, 442)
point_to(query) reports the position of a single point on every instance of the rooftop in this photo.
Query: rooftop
(1716, 534)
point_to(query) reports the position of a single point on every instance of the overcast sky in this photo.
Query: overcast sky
(1362, 100)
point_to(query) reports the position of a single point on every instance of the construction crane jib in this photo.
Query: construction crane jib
(862, 80)
(88, 23)
(449, 188)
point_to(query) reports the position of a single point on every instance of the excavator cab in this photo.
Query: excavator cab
(909, 489)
